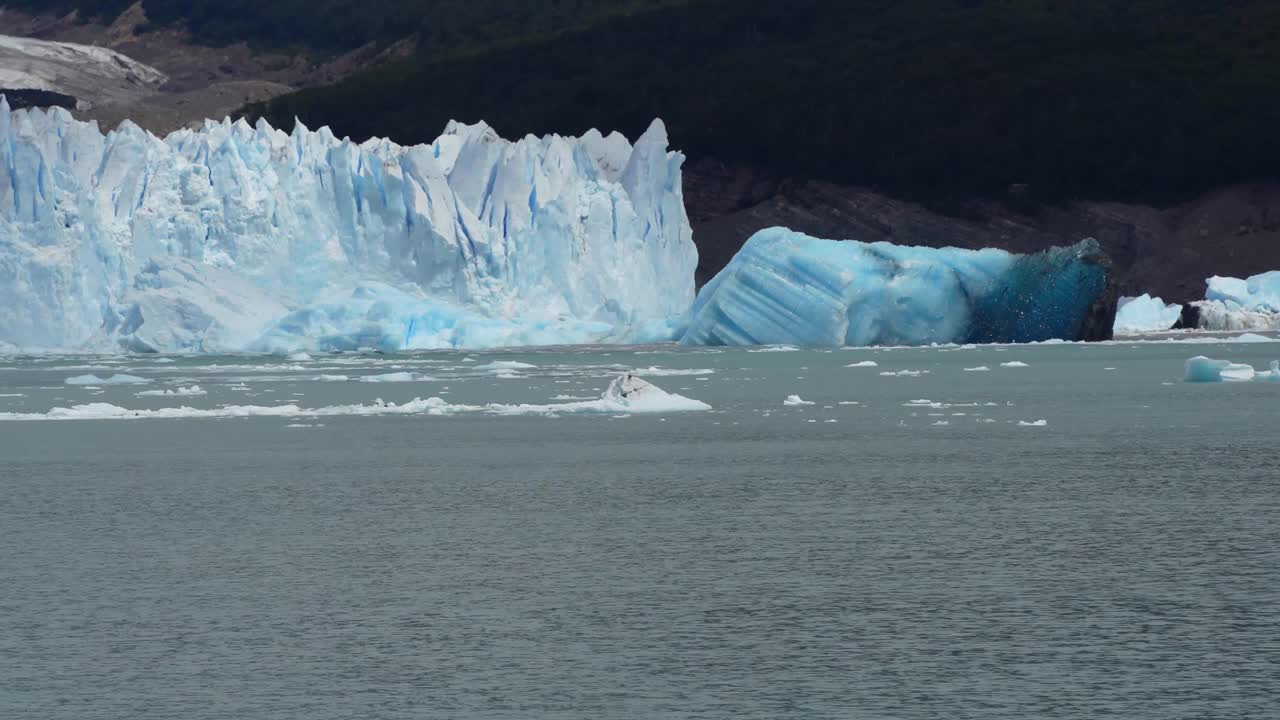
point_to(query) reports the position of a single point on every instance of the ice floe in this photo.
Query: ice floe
(117, 379)
(1201, 369)
(193, 391)
(625, 394)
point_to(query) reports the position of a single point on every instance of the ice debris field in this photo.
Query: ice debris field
(938, 387)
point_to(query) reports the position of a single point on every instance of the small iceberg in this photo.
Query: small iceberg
(193, 391)
(117, 379)
(1145, 314)
(1201, 369)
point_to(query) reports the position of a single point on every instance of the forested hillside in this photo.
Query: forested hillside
(1120, 99)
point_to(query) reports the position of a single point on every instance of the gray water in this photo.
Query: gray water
(752, 561)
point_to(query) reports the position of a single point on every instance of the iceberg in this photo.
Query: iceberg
(1201, 369)
(787, 287)
(1144, 314)
(232, 237)
(1259, 293)
(1235, 304)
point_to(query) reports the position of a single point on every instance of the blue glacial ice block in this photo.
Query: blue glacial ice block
(1145, 314)
(1258, 293)
(787, 287)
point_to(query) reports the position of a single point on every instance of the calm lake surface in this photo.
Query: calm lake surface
(903, 547)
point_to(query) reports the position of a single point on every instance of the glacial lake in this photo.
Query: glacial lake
(1072, 532)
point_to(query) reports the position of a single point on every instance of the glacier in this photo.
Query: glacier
(1241, 304)
(232, 237)
(786, 287)
(1145, 314)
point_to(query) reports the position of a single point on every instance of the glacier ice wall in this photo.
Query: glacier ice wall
(236, 237)
(1241, 304)
(787, 287)
(1145, 314)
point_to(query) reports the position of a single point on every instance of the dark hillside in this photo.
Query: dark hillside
(1148, 100)
(1152, 100)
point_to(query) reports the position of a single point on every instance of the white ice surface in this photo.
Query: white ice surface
(85, 72)
(234, 237)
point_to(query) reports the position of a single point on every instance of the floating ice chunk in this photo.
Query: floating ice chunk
(980, 368)
(332, 378)
(117, 379)
(795, 401)
(775, 349)
(1250, 338)
(906, 373)
(1145, 314)
(672, 372)
(1014, 364)
(106, 411)
(787, 287)
(395, 377)
(193, 391)
(864, 364)
(626, 394)
(1034, 423)
(505, 365)
(1270, 375)
(1202, 369)
(299, 357)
